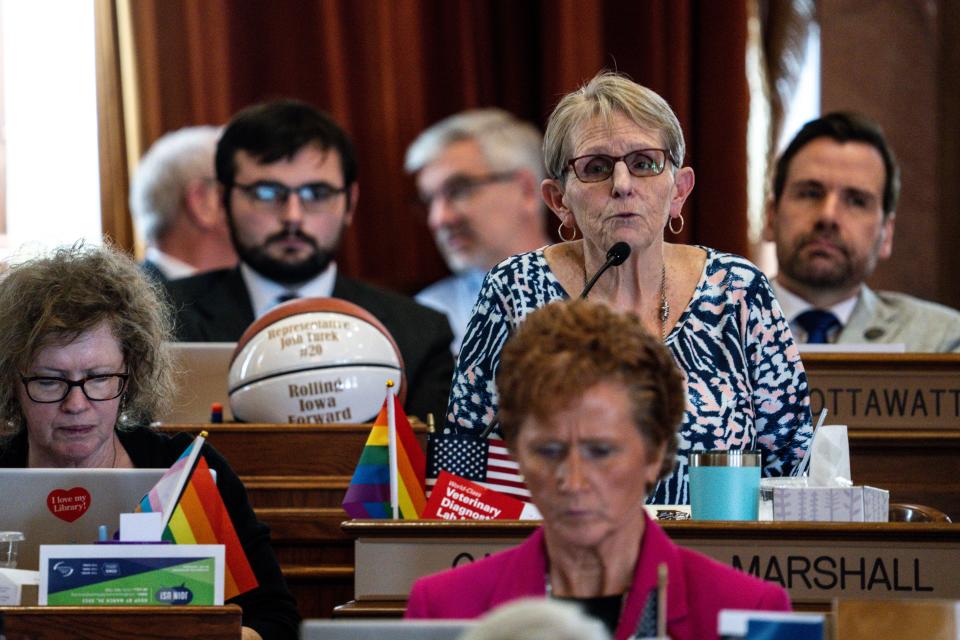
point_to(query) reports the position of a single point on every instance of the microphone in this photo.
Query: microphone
(616, 256)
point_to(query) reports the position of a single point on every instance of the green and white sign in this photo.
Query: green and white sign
(131, 574)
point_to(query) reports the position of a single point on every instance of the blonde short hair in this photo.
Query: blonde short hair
(608, 93)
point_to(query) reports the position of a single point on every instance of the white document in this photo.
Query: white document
(141, 527)
(11, 583)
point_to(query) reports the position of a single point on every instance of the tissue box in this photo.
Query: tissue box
(831, 504)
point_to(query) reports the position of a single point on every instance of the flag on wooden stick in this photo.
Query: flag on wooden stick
(390, 477)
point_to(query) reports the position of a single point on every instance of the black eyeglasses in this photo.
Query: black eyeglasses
(642, 163)
(97, 388)
(315, 197)
(459, 189)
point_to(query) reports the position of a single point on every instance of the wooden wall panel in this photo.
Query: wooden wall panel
(883, 58)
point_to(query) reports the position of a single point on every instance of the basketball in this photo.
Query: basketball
(314, 361)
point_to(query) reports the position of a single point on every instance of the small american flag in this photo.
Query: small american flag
(483, 460)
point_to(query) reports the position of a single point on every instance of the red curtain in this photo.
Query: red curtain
(386, 69)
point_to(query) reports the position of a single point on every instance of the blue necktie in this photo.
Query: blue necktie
(287, 297)
(818, 324)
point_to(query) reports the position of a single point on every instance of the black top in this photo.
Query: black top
(269, 609)
(606, 609)
(215, 307)
(153, 271)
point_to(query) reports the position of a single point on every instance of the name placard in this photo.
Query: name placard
(410, 559)
(876, 391)
(817, 572)
(814, 562)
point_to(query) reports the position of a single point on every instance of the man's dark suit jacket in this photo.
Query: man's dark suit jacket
(215, 307)
(150, 268)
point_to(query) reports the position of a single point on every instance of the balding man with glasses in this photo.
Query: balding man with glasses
(288, 178)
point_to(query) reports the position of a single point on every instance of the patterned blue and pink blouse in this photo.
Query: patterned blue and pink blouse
(746, 388)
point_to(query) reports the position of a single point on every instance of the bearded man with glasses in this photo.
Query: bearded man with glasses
(288, 178)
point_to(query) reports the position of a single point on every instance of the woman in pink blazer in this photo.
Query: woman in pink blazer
(590, 405)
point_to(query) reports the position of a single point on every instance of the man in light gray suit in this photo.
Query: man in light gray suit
(832, 216)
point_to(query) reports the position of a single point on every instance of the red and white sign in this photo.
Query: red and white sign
(454, 498)
(68, 504)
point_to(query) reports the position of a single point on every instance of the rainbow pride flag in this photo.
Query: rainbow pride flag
(369, 493)
(194, 513)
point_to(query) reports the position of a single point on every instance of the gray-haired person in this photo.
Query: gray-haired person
(176, 206)
(478, 173)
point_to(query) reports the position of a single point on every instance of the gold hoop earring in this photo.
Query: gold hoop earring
(560, 233)
(670, 225)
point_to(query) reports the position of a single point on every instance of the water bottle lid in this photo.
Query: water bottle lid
(726, 458)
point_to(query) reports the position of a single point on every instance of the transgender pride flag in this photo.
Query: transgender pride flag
(389, 480)
(194, 513)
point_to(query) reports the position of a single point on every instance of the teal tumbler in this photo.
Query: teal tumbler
(725, 485)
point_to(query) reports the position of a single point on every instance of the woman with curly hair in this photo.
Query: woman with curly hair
(83, 368)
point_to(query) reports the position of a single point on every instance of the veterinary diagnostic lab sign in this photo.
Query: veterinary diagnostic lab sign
(131, 575)
(454, 498)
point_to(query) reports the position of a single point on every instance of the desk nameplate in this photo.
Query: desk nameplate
(872, 391)
(815, 571)
(412, 558)
(814, 568)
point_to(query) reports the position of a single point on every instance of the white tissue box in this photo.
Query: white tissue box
(831, 504)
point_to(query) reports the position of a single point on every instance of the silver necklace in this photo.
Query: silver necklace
(664, 305)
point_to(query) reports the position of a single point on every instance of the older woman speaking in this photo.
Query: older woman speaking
(83, 368)
(614, 155)
(590, 405)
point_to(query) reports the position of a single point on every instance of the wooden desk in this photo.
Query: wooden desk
(316, 556)
(917, 466)
(815, 562)
(296, 477)
(285, 465)
(284, 450)
(108, 623)
(903, 417)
